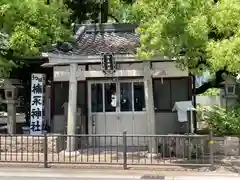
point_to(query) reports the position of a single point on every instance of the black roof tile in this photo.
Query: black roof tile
(95, 39)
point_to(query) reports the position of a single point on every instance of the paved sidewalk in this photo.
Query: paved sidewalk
(97, 167)
(75, 172)
(50, 174)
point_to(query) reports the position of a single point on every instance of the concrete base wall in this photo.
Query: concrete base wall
(228, 146)
(33, 144)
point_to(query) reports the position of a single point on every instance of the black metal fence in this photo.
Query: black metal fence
(126, 150)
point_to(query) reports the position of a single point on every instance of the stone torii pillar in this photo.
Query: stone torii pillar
(72, 111)
(148, 91)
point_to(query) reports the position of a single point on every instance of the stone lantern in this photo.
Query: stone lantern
(229, 94)
(10, 87)
(229, 87)
(11, 93)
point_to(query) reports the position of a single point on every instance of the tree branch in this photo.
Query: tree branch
(110, 15)
(203, 88)
(215, 83)
(9, 56)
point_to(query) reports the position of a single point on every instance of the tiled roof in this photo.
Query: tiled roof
(95, 39)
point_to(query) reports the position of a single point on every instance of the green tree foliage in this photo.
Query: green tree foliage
(83, 10)
(92, 10)
(212, 92)
(29, 27)
(122, 10)
(198, 33)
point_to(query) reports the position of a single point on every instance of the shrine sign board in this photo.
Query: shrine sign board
(37, 103)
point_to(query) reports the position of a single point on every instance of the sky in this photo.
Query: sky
(202, 79)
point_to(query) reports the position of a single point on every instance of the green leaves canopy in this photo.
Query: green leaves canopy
(202, 29)
(122, 10)
(29, 27)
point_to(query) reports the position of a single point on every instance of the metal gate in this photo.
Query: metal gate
(116, 106)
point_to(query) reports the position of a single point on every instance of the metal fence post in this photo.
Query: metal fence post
(45, 150)
(124, 149)
(211, 144)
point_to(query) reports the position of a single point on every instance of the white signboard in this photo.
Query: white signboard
(37, 103)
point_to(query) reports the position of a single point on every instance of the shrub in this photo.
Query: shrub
(220, 120)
